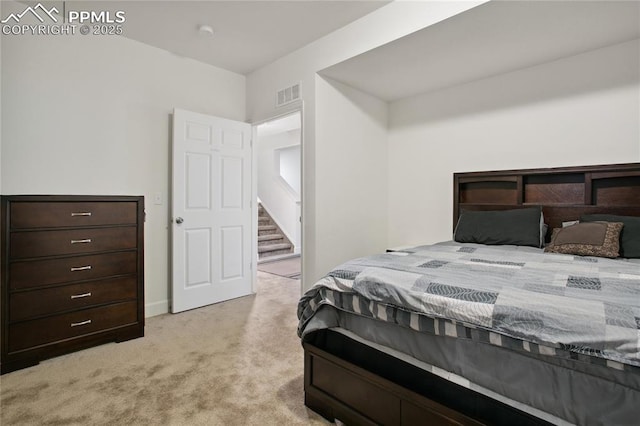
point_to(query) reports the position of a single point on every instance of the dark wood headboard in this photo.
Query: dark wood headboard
(565, 193)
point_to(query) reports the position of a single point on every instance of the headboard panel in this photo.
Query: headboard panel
(565, 193)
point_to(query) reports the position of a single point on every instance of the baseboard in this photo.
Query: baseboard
(156, 308)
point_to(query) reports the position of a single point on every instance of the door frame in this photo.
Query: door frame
(299, 108)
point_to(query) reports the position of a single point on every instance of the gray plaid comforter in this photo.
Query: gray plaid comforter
(583, 308)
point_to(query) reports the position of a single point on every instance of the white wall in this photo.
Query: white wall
(579, 110)
(281, 202)
(384, 25)
(91, 115)
(290, 167)
(351, 173)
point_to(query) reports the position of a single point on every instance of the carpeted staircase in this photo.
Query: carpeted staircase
(271, 240)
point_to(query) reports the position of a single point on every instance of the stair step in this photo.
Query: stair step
(274, 247)
(265, 240)
(269, 237)
(264, 220)
(267, 230)
(276, 253)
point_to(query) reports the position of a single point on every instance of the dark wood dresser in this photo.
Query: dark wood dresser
(72, 274)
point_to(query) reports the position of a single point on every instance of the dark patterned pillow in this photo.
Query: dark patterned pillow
(601, 239)
(630, 235)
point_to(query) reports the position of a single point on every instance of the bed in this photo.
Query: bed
(489, 329)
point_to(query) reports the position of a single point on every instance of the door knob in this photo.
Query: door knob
(179, 220)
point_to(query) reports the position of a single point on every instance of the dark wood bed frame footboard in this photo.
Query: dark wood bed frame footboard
(359, 385)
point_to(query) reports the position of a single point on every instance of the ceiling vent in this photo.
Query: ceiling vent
(288, 95)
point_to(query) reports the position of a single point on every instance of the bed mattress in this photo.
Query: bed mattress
(561, 331)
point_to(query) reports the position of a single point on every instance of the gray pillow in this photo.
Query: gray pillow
(521, 227)
(630, 235)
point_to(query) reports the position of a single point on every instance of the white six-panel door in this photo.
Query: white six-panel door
(211, 210)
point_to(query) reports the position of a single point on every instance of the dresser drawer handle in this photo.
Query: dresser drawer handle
(86, 240)
(79, 296)
(77, 324)
(81, 268)
(80, 214)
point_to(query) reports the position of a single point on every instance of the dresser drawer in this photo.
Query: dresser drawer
(66, 214)
(50, 243)
(52, 329)
(37, 273)
(30, 304)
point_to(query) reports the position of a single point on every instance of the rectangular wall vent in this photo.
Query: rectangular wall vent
(288, 95)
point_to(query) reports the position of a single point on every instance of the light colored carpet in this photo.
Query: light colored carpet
(289, 268)
(234, 363)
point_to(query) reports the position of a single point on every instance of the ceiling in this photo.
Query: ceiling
(494, 38)
(247, 34)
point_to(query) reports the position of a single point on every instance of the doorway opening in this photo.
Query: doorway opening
(279, 186)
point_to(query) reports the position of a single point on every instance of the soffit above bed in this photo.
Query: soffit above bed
(491, 39)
